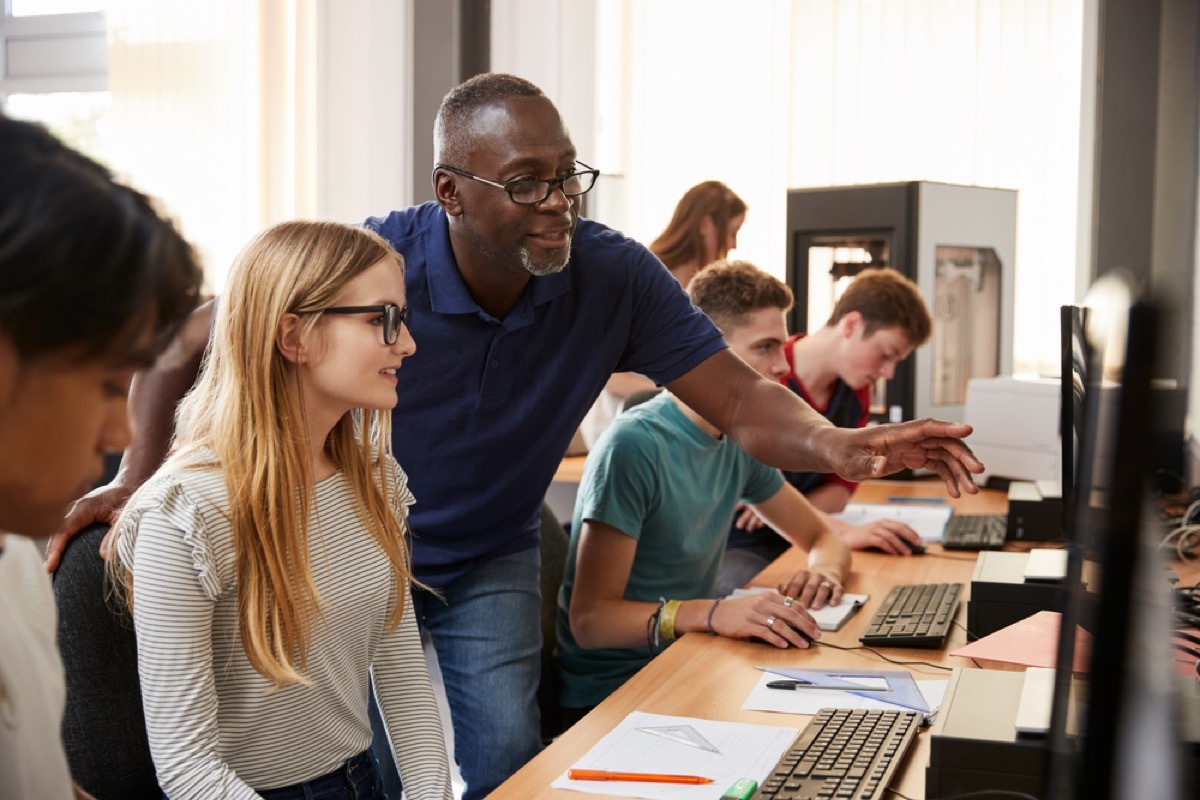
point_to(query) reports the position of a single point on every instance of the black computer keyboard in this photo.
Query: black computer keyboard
(975, 532)
(914, 615)
(842, 753)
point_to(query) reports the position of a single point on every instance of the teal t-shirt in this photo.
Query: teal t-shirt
(657, 477)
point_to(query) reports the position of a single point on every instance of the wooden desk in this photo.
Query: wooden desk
(709, 677)
(570, 470)
(561, 494)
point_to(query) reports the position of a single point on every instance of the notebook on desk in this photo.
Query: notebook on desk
(829, 618)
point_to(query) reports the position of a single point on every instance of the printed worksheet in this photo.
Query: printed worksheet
(723, 752)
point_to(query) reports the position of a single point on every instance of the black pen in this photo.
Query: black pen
(796, 684)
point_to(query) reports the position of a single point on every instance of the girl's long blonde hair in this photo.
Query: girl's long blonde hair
(246, 409)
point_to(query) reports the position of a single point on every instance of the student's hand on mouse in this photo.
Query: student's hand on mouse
(886, 535)
(813, 589)
(770, 617)
(745, 518)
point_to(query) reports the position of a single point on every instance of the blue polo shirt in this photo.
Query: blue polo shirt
(487, 407)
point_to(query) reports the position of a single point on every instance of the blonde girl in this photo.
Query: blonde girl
(266, 560)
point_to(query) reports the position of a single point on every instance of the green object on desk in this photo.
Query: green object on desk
(742, 790)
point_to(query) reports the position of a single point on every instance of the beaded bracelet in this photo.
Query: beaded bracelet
(708, 622)
(666, 621)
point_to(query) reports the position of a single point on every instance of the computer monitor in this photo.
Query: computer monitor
(1092, 726)
(1072, 385)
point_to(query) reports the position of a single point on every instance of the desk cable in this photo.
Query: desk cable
(1192, 648)
(885, 658)
(1184, 538)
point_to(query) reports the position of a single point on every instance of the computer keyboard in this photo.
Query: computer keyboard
(975, 532)
(843, 753)
(914, 615)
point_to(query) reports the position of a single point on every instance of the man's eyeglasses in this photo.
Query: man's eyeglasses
(530, 192)
(392, 317)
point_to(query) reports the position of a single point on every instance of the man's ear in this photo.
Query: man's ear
(445, 189)
(289, 338)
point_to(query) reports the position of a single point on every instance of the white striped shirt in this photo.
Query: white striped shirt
(216, 726)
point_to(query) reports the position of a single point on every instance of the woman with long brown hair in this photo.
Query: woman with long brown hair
(702, 230)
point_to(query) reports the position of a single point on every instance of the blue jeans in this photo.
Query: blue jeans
(487, 632)
(354, 780)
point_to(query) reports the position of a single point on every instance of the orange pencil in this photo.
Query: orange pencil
(645, 777)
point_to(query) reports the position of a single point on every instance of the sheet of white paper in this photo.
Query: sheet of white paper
(927, 519)
(747, 751)
(810, 701)
(829, 618)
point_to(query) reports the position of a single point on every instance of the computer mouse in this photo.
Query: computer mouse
(803, 635)
(917, 550)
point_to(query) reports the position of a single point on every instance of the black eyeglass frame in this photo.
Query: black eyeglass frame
(549, 182)
(393, 317)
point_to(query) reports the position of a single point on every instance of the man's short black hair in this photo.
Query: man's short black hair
(85, 262)
(452, 138)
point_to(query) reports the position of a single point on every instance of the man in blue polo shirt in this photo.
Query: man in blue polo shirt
(522, 311)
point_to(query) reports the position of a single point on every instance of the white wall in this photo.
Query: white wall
(237, 114)
(791, 93)
(364, 157)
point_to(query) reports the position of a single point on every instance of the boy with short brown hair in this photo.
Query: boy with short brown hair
(876, 323)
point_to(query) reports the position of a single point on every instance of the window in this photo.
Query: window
(34, 8)
(54, 68)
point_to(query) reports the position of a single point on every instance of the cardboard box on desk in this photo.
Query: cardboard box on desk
(1000, 595)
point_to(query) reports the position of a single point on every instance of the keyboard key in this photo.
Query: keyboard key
(975, 532)
(847, 755)
(914, 615)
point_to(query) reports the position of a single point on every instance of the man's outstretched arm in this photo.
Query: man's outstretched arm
(776, 427)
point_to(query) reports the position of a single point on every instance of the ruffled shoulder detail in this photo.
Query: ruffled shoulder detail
(402, 495)
(192, 503)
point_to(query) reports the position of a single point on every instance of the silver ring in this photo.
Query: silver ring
(825, 585)
(770, 621)
(787, 602)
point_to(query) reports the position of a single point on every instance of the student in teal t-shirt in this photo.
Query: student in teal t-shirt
(653, 512)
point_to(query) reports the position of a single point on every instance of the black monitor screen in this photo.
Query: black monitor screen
(1074, 353)
(1108, 556)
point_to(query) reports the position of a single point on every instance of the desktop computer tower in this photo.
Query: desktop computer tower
(958, 243)
(974, 744)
